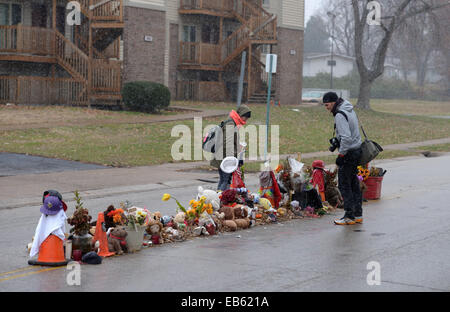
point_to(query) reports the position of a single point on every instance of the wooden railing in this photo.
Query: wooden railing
(106, 76)
(42, 90)
(263, 28)
(71, 57)
(106, 10)
(234, 43)
(199, 53)
(213, 5)
(25, 39)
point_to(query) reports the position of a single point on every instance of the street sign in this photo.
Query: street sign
(274, 63)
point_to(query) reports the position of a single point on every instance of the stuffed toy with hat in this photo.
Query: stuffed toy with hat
(117, 240)
(318, 177)
(54, 193)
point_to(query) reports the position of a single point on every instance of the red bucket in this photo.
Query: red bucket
(373, 190)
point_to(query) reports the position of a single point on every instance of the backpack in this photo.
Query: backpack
(210, 139)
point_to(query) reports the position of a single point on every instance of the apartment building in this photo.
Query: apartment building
(192, 46)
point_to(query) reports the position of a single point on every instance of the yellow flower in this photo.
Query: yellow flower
(194, 204)
(166, 197)
(203, 198)
(209, 210)
(191, 202)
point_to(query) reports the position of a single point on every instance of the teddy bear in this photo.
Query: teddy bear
(218, 219)
(212, 197)
(117, 240)
(235, 217)
(179, 221)
(154, 228)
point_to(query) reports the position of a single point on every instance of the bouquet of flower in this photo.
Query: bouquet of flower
(196, 207)
(118, 216)
(80, 219)
(136, 217)
(363, 173)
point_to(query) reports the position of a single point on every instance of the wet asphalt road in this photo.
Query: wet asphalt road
(407, 232)
(15, 164)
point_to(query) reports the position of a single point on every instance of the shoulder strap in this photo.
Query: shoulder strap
(341, 112)
(345, 115)
(346, 118)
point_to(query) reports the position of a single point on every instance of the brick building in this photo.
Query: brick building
(192, 46)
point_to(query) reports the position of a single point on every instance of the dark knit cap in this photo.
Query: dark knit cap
(330, 97)
(244, 111)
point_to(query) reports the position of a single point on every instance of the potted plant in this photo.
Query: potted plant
(136, 222)
(80, 220)
(372, 179)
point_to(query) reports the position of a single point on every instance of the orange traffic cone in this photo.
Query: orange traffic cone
(51, 252)
(100, 236)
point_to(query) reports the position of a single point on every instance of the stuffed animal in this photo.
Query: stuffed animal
(235, 217)
(154, 228)
(212, 197)
(242, 223)
(332, 194)
(179, 218)
(265, 203)
(240, 212)
(116, 240)
(230, 225)
(228, 212)
(218, 219)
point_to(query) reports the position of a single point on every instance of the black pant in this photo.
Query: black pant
(349, 184)
(224, 180)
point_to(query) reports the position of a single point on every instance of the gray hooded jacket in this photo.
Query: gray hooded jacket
(347, 132)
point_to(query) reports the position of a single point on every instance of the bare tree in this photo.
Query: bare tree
(414, 43)
(443, 39)
(344, 27)
(395, 14)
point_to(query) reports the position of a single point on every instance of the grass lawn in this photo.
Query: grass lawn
(305, 130)
(20, 115)
(412, 107)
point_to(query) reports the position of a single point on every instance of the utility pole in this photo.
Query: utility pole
(333, 17)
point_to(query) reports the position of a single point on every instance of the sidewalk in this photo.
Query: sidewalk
(26, 190)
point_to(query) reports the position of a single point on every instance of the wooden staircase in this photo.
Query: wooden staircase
(95, 60)
(257, 27)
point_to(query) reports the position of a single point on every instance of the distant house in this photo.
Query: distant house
(314, 63)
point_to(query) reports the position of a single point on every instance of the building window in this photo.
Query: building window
(189, 32)
(10, 13)
(265, 2)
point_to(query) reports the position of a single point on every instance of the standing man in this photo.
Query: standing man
(348, 141)
(230, 142)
